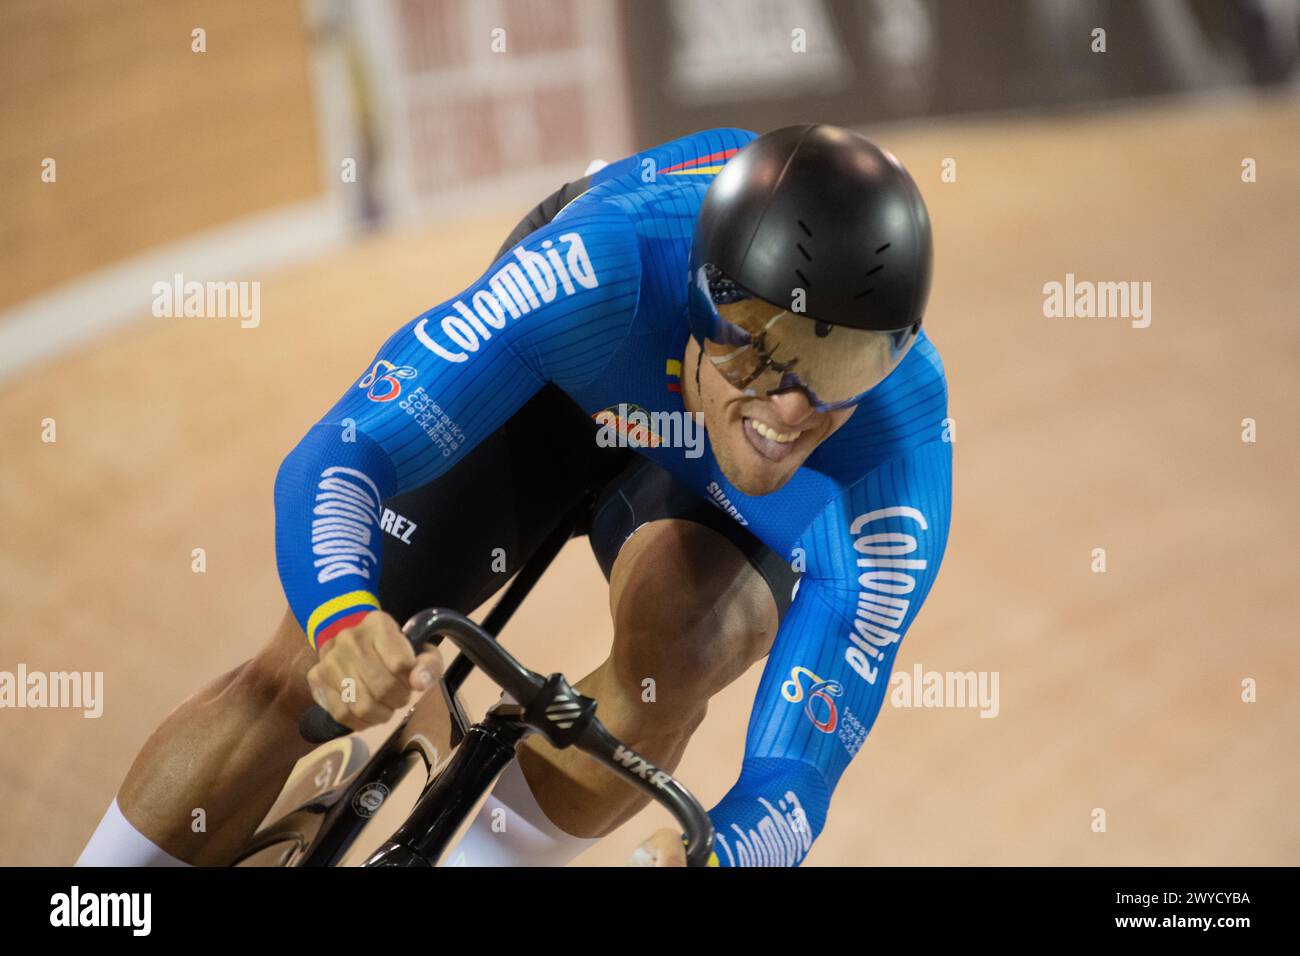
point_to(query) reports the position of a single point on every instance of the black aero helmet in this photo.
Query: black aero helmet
(818, 220)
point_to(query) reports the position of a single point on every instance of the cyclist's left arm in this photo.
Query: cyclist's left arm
(872, 557)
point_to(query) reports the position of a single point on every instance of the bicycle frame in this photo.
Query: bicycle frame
(451, 796)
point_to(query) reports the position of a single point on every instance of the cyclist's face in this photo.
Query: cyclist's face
(759, 442)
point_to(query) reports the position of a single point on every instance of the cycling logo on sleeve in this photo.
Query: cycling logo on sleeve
(383, 382)
(819, 703)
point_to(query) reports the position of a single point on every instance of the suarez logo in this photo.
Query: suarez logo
(819, 704)
(382, 383)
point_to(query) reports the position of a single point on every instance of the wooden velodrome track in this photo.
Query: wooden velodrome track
(1120, 691)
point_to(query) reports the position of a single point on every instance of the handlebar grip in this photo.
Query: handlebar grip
(660, 785)
(316, 726)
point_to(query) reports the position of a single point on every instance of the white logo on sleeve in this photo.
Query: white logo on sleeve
(884, 581)
(513, 291)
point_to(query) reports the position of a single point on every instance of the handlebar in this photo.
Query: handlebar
(551, 707)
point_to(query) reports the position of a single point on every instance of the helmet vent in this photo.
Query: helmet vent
(867, 292)
(804, 252)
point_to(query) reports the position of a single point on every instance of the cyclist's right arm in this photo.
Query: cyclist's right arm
(439, 385)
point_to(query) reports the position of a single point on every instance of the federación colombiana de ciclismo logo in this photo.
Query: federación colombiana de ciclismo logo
(383, 382)
(819, 703)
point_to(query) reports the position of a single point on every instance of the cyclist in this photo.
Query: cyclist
(772, 287)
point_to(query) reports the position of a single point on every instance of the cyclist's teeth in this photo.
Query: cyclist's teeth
(773, 435)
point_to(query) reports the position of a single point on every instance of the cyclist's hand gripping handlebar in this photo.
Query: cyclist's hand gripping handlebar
(554, 709)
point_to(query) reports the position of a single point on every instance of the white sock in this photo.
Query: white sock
(512, 830)
(116, 843)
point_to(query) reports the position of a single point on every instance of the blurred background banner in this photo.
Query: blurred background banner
(349, 165)
(452, 99)
(863, 61)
